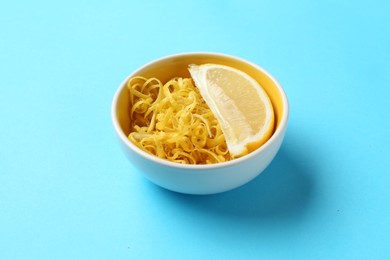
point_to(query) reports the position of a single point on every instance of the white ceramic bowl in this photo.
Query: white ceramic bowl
(200, 179)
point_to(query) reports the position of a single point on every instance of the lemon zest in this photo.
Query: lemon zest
(173, 122)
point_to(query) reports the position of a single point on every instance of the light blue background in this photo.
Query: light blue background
(67, 191)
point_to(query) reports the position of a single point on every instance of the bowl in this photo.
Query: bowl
(200, 179)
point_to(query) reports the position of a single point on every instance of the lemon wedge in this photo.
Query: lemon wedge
(241, 106)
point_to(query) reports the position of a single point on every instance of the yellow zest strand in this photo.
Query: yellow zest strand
(172, 121)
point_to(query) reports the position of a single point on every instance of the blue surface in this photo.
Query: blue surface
(67, 191)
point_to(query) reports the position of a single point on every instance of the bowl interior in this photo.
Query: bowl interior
(176, 66)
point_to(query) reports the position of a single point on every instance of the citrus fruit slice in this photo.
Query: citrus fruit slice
(241, 106)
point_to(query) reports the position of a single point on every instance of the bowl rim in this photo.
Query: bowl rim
(279, 131)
